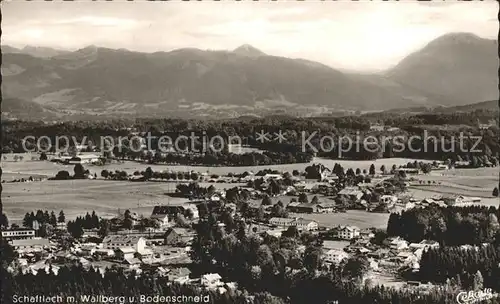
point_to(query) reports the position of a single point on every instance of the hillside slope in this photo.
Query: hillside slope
(460, 66)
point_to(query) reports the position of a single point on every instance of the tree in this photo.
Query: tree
(128, 223)
(104, 228)
(358, 171)
(75, 229)
(61, 218)
(477, 281)
(426, 168)
(372, 169)
(315, 200)
(105, 173)
(62, 175)
(495, 192)
(79, 171)
(148, 174)
(7, 255)
(312, 258)
(53, 219)
(356, 267)
(4, 221)
(46, 230)
(382, 169)
(266, 201)
(181, 221)
(303, 198)
(260, 214)
(291, 232)
(493, 227)
(189, 214)
(43, 156)
(28, 220)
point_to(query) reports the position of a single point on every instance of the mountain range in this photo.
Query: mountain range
(453, 70)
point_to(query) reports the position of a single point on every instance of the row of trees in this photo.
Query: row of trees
(79, 172)
(149, 173)
(472, 268)
(75, 281)
(75, 228)
(275, 266)
(446, 145)
(43, 217)
(222, 158)
(450, 226)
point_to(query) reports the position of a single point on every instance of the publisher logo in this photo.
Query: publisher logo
(470, 297)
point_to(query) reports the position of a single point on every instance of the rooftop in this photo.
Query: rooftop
(122, 239)
(31, 242)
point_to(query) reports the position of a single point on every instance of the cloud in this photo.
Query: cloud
(97, 21)
(349, 35)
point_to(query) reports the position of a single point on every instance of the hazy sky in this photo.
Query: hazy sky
(346, 35)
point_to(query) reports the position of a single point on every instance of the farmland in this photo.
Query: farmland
(48, 168)
(106, 197)
(76, 197)
(361, 219)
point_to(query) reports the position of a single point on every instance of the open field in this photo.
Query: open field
(106, 197)
(359, 218)
(422, 193)
(13, 176)
(76, 197)
(449, 189)
(50, 169)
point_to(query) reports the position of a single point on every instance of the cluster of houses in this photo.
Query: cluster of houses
(394, 253)
(300, 223)
(80, 158)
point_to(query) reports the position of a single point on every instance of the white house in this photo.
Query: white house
(84, 159)
(115, 242)
(300, 223)
(398, 244)
(281, 221)
(163, 219)
(335, 256)
(348, 232)
(388, 199)
(409, 170)
(307, 225)
(272, 176)
(352, 193)
(19, 233)
(211, 280)
(34, 244)
(424, 245)
(275, 232)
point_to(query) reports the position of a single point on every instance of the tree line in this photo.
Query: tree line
(468, 268)
(451, 226)
(294, 130)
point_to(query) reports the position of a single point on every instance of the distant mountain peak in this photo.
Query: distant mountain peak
(455, 38)
(248, 50)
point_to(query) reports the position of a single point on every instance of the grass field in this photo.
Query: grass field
(76, 197)
(359, 218)
(47, 168)
(106, 197)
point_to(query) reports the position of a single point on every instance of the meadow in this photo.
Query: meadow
(76, 197)
(359, 218)
(28, 166)
(107, 198)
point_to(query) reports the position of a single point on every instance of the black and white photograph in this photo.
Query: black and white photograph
(250, 152)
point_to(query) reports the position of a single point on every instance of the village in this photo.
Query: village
(276, 204)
